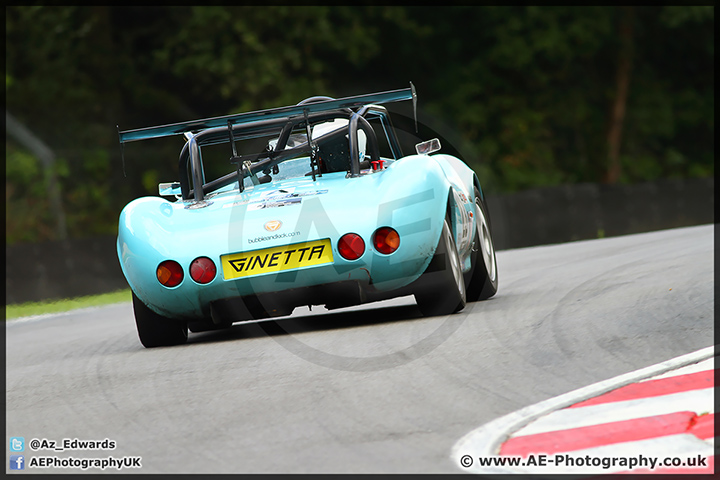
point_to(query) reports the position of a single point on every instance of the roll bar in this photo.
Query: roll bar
(266, 122)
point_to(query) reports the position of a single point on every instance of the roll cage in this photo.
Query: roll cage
(281, 123)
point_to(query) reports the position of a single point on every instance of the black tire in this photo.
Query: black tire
(482, 280)
(155, 330)
(441, 289)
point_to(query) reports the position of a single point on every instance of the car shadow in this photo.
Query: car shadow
(309, 323)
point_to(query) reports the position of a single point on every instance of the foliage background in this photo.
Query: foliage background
(529, 95)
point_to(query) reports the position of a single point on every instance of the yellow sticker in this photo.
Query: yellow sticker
(276, 259)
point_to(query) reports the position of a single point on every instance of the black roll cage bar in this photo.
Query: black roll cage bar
(249, 165)
(284, 120)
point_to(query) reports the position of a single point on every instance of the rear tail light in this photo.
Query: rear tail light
(203, 270)
(169, 273)
(351, 246)
(386, 240)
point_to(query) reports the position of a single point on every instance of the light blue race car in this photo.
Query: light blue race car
(317, 205)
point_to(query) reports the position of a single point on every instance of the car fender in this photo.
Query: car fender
(462, 182)
(413, 199)
(148, 233)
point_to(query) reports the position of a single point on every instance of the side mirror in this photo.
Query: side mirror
(428, 147)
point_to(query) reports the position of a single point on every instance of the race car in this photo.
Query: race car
(311, 204)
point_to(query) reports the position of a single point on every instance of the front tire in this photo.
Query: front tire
(441, 289)
(155, 330)
(482, 283)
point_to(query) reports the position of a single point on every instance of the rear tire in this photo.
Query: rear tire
(441, 289)
(482, 282)
(155, 330)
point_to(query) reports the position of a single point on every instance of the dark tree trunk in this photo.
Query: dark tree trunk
(622, 84)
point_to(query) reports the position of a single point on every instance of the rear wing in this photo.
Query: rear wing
(269, 114)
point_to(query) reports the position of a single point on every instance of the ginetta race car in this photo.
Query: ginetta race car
(317, 205)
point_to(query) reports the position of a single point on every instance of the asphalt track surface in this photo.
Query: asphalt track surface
(376, 388)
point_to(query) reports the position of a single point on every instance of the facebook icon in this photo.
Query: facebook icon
(17, 462)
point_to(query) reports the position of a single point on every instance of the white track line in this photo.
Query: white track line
(45, 316)
(708, 364)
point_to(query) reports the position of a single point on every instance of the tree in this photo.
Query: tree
(533, 95)
(619, 104)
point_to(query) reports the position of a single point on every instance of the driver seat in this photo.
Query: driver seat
(334, 156)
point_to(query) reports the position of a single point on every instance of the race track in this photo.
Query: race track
(376, 388)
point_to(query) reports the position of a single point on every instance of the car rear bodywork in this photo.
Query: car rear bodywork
(268, 243)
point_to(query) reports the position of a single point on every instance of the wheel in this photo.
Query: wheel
(441, 289)
(155, 330)
(482, 280)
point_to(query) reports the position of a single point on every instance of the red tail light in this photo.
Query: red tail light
(169, 273)
(203, 270)
(386, 240)
(351, 246)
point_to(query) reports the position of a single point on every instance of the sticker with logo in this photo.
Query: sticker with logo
(276, 198)
(274, 203)
(273, 225)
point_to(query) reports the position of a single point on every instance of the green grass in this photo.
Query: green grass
(58, 306)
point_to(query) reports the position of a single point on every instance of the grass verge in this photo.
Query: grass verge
(58, 306)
